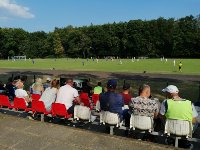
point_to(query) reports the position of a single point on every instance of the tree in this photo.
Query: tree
(154, 38)
(11, 53)
(57, 46)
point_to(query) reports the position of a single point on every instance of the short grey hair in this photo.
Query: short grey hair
(143, 87)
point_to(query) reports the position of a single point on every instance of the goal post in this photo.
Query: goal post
(19, 58)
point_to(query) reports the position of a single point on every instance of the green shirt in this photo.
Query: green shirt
(179, 109)
(98, 90)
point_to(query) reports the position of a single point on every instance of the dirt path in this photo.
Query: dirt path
(103, 75)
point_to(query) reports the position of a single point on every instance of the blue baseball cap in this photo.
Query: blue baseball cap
(112, 84)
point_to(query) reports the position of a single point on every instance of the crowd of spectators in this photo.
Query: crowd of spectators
(124, 104)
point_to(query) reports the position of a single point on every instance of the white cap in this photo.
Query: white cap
(171, 89)
(48, 79)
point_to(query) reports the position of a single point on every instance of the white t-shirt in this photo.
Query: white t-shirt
(20, 93)
(48, 97)
(66, 95)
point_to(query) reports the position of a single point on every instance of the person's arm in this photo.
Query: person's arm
(42, 89)
(156, 110)
(131, 105)
(194, 115)
(27, 99)
(194, 120)
(77, 98)
(162, 110)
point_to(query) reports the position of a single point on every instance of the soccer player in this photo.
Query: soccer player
(174, 62)
(180, 66)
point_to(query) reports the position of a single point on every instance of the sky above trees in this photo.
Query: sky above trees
(45, 15)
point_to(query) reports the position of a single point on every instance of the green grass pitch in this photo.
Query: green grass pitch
(190, 66)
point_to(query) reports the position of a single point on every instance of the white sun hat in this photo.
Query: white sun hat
(171, 89)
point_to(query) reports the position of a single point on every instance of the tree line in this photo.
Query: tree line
(152, 38)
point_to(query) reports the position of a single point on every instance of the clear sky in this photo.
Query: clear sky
(37, 15)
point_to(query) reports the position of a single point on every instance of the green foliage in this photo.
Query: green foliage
(57, 46)
(11, 53)
(152, 38)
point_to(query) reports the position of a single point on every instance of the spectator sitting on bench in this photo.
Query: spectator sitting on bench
(143, 105)
(98, 89)
(67, 95)
(20, 93)
(86, 87)
(175, 107)
(111, 101)
(2, 88)
(49, 95)
(85, 98)
(126, 93)
(37, 87)
(10, 87)
(47, 84)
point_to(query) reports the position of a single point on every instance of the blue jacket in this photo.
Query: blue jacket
(112, 102)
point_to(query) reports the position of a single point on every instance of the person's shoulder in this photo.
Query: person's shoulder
(24, 90)
(73, 89)
(122, 94)
(19, 90)
(153, 101)
(118, 95)
(63, 87)
(49, 89)
(165, 100)
(102, 94)
(136, 98)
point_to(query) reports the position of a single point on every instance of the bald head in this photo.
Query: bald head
(70, 82)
